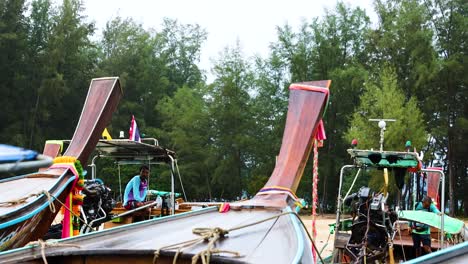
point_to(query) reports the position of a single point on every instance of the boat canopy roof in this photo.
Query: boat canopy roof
(125, 150)
(384, 159)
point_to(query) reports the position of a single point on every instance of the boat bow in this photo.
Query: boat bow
(306, 105)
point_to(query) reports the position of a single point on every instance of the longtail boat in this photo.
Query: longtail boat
(100, 210)
(30, 202)
(264, 229)
(126, 152)
(377, 230)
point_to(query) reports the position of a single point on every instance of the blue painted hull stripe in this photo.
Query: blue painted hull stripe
(208, 209)
(422, 259)
(33, 213)
(299, 237)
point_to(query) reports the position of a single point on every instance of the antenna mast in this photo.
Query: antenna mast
(382, 125)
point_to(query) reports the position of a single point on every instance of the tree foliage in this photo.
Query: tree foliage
(230, 112)
(375, 104)
(410, 66)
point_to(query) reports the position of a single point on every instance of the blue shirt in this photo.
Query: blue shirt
(419, 207)
(135, 190)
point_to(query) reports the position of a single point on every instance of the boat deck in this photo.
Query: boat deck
(407, 240)
(18, 188)
(145, 237)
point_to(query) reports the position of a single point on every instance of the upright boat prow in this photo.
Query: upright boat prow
(103, 97)
(28, 203)
(265, 223)
(306, 103)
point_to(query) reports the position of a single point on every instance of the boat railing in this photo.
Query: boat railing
(155, 141)
(442, 205)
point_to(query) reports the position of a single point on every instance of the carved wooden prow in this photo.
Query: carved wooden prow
(103, 97)
(306, 104)
(52, 148)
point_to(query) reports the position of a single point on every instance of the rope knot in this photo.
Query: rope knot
(212, 235)
(221, 232)
(43, 244)
(209, 233)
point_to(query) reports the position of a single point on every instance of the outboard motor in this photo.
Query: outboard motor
(372, 226)
(97, 203)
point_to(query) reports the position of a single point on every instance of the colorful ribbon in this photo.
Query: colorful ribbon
(314, 195)
(278, 190)
(73, 202)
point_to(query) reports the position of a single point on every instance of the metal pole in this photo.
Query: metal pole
(93, 167)
(382, 135)
(148, 188)
(382, 125)
(149, 166)
(338, 205)
(120, 183)
(172, 185)
(180, 179)
(442, 206)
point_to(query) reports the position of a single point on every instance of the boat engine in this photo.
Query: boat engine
(372, 226)
(97, 203)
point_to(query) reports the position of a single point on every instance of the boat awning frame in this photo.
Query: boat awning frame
(340, 199)
(129, 152)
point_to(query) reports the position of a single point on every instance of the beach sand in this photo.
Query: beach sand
(323, 234)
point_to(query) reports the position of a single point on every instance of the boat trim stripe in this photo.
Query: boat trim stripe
(309, 88)
(439, 253)
(33, 213)
(299, 237)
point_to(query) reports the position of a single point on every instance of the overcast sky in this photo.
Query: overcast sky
(252, 22)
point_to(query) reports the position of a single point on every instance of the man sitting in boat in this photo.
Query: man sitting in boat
(421, 232)
(135, 191)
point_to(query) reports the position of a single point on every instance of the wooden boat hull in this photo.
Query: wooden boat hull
(457, 254)
(279, 240)
(31, 221)
(28, 221)
(103, 97)
(306, 105)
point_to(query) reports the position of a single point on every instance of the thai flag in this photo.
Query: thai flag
(134, 132)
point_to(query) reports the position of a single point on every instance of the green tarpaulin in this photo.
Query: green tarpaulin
(451, 225)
